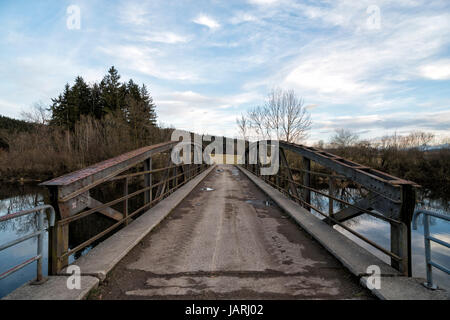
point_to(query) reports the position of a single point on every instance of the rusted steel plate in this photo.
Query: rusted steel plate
(374, 180)
(73, 184)
(83, 173)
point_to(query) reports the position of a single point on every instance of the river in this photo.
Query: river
(14, 198)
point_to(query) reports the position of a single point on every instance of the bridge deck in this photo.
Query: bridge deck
(227, 243)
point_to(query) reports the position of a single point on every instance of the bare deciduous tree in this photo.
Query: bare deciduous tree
(38, 114)
(243, 126)
(287, 116)
(343, 138)
(283, 117)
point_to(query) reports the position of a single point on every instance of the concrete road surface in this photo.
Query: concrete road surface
(226, 240)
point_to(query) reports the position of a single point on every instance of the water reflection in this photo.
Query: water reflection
(379, 231)
(22, 197)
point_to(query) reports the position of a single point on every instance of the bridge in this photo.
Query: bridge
(200, 231)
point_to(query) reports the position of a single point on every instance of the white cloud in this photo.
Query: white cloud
(133, 13)
(142, 59)
(264, 2)
(241, 17)
(206, 21)
(8, 108)
(350, 68)
(439, 70)
(166, 37)
(201, 113)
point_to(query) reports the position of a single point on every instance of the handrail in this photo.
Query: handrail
(39, 233)
(427, 239)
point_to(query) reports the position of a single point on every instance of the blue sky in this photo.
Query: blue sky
(205, 62)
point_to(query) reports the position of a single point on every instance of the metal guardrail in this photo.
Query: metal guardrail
(427, 239)
(39, 234)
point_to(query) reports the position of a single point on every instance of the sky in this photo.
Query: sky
(375, 67)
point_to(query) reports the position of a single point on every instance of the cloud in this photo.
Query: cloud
(264, 2)
(134, 13)
(165, 37)
(202, 113)
(142, 59)
(438, 121)
(241, 17)
(206, 21)
(350, 68)
(439, 70)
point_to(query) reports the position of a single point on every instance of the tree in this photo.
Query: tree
(287, 116)
(343, 138)
(283, 117)
(242, 124)
(39, 114)
(79, 98)
(60, 109)
(148, 101)
(131, 102)
(95, 102)
(112, 91)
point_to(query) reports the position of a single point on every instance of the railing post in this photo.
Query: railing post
(401, 233)
(148, 180)
(58, 237)
(40, 246)
(307, 181)
(426, 233)
(331, 183)
(291, 184)
(175, 178)
(399, 246)
(125, 202)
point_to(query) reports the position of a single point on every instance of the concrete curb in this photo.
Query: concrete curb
(105, 256)
(356, 259)
(404, 288)
(55, 288)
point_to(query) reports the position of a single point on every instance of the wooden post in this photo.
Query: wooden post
(307, 181)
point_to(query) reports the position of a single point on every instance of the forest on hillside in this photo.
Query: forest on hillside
(85, 124)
